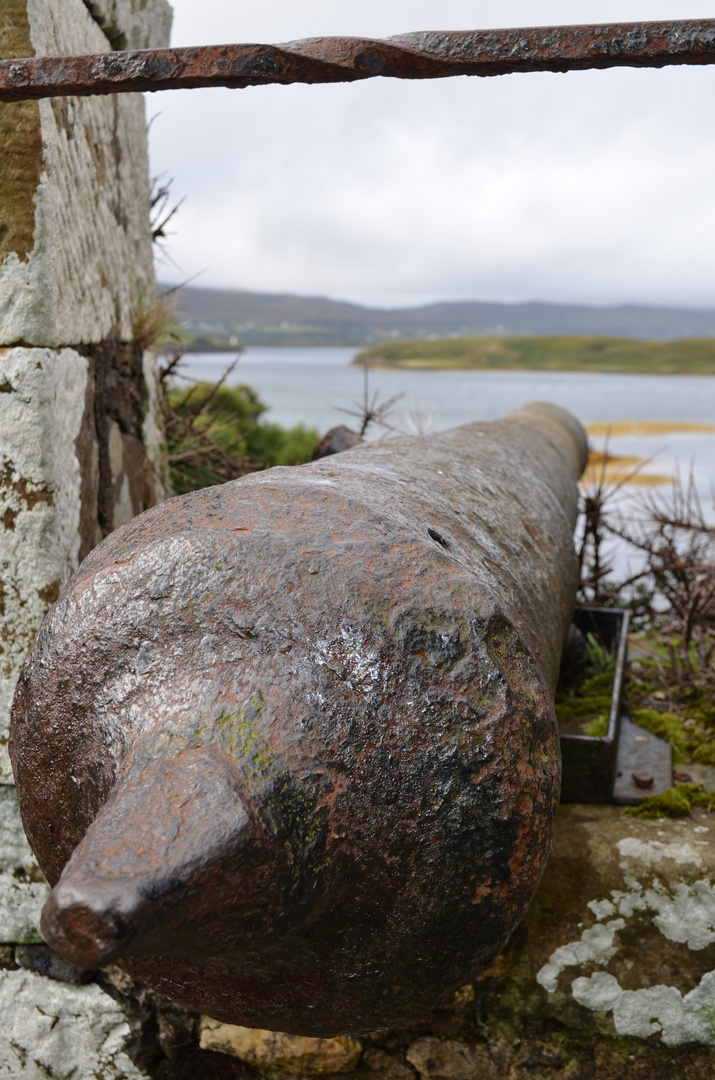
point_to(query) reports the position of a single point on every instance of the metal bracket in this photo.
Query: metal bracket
(628, 763)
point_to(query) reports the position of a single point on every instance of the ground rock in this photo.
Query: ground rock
(612, 971)
(337, 440)
(42, 960)
(56, 1031)
(447, 1059)
(378, 1065)
(280, 1055)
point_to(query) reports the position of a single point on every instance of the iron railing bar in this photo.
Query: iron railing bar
(429, 55)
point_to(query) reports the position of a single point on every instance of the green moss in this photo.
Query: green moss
(21, 143)
(29, 936)
(666, 725)
(596, 728)
(677, 801)
(231, 418)
(705, 754)
(680, 710)
(585, 709)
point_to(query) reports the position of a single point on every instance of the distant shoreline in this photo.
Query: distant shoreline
(374, 366)
(577, 354)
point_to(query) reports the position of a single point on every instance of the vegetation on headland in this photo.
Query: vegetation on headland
(695, 356)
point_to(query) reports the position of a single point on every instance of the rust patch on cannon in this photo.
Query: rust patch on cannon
(286, 748)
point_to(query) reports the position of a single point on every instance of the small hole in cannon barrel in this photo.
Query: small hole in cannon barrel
(438, 538)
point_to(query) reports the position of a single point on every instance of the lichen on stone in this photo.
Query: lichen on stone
(683, 912)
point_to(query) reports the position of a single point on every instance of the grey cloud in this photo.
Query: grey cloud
(587, 187)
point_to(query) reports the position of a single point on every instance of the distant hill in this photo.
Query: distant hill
(224, 318)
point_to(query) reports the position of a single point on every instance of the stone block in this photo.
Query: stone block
(55, 1031)
(75, 243)
(449, 1059)
(133, 24)
(80, 453)
(42, 406)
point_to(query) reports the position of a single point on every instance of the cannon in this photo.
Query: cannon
(286, 749)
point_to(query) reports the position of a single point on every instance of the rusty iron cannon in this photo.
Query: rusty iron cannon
(286, 748)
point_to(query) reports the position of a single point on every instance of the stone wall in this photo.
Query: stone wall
(80, 442)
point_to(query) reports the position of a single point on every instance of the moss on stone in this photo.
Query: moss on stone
(677, 706)
(586, 708)
(666, 725)
(677, 801)
(705, 754)
(21, 142)
(596, 728)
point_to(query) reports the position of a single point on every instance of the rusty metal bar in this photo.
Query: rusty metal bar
(428, 55)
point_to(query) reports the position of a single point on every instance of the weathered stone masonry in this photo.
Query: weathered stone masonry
(80, 445)
(79, 442)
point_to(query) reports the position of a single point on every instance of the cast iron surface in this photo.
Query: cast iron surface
(287, 747)
(428, 55)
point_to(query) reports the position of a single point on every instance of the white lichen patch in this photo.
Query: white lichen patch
(650, 852)
(687, 915)
(683, 912)
(657, 1010)
(595, 947)
(602, 909)
(23, 890)
(62, 1032)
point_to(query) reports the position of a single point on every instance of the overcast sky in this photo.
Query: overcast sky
(595, 187)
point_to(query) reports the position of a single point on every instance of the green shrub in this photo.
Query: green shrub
(215, 433)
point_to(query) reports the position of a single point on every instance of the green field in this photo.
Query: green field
(694, 356)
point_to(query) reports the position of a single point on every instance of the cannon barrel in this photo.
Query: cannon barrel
(286, 748)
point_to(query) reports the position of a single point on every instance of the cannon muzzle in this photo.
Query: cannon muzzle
(286, 748)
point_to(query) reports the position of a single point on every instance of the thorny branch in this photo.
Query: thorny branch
(673, 591)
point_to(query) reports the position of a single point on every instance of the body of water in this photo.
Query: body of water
(310, 386)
